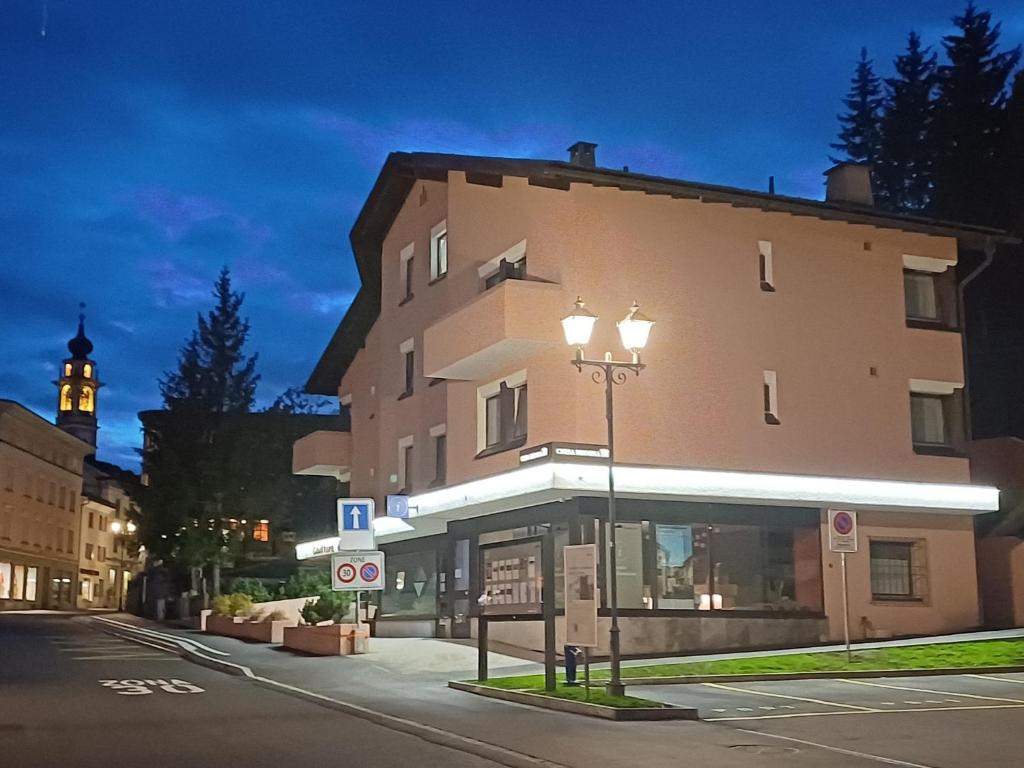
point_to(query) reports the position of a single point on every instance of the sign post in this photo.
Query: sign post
(842, 538)
(581, 602)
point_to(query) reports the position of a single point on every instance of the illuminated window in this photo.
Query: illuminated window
(87, 371)
(261, 531)
(67, 369)
(65, 397)
(86, 400)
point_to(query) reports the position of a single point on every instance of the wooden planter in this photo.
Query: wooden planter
(327, 639)
(258, 631)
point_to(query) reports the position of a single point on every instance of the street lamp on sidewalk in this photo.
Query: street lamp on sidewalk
(121, 533)
(634, 331)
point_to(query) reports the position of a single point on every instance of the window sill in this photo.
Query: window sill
(930, 325)
(438, 279)
(886, 600)
(519, 442)
(938, 450)
(437, 483)
(767, 287)
(406, 300)
(770, 418)
(407, 393)
(435, 382)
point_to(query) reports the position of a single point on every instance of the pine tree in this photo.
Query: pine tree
(859, 134)
(213, 373)
(969, 119)
(1012, 159)
(904, 166)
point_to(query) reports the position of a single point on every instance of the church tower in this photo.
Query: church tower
(77, 387)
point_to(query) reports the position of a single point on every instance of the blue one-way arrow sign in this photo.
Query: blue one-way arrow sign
(355, 516)
(355, 524)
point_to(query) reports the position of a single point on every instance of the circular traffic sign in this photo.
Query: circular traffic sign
(842, 522)
(369, 572)
(346, 573)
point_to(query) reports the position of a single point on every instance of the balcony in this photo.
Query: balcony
(322, 453)
(506, 324)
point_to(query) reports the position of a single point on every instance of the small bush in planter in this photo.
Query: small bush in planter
(235, 604)
(254, 588)
(275, 615)
(307, 584)
(332, 606)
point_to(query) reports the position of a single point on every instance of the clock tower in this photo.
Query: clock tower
(77, 388)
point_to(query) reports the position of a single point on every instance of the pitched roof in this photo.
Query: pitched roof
(402, 169)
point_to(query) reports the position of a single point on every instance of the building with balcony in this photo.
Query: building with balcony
(807, 356)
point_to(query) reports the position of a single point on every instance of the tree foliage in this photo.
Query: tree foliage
(859, 137)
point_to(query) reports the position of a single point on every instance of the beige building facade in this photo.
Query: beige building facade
(40, 488)
(805, 357)
(108, 556)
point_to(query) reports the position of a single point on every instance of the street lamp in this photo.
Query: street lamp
(634, 331)
(121, 533)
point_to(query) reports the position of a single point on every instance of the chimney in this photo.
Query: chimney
(849, 183)
(582, 154)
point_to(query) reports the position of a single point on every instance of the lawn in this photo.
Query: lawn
(983, 653)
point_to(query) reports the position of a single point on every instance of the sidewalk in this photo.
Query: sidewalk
(390, 681)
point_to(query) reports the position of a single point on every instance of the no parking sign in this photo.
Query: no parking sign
(355, 571)
(842, 530)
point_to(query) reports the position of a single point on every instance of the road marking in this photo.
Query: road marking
(929, 690)
(840, 750)
(1000, 679)
(915, 710)
(718, 710)
(163, 636)
(792, 698)
(144, 687)
(127, 656)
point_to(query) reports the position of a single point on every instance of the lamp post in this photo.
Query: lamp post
(121, 533)
(634, 330)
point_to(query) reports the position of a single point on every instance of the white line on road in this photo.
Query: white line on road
(122, 656)
(930, 690)
(163, 636)
(1000, 679)
(785, 696)
(915, 710)
(840, 750)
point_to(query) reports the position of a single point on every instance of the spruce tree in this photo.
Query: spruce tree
(904, 166)
(859, 134)
(969, 119)
(1011, 160)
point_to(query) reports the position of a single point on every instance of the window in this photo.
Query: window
(502, 415)
(86, 400)
(101, 553)
(405, 464)
(67, 369)
(409, 362)
(920, 295)
(92, 520)
(5, 581)
(71, 501)
(406, 272)
(936, 418)
(31, 582)
(261, 531)
(18, 583)
(87, 371)
(439, 251)
(767, 275)
(63, 497)
(440, 454)
(65, 397)
(896, 570)
(88, 552)
(770, 391)
(509, 265)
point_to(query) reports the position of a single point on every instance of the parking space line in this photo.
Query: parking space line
(930, 690)
(915, 710)
(840, 750)
(819, 702)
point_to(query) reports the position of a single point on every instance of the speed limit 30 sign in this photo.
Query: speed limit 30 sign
(356, 571)
(842, 530)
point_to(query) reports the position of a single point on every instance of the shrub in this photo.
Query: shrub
(332, 606)
(306, 584)
(235, 604)
(274, 615)
(221, 605)
(254, 588)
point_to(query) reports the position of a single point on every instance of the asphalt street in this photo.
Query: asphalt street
(955, 721)
(71, 697)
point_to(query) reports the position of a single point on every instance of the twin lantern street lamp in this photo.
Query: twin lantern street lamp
(634, 330)
(122, 531)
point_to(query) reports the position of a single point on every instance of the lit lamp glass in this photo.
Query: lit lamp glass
(115, 527)
(578, 325)
(634, 329)
(131, 527)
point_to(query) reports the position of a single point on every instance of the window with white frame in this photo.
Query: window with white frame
(439, 250)
(406, 271)
(935, 416)
(502, 414)
(508, 265)
(440, 437)
(405, 464)
(920, 295)
(929, 292)
(770, 392)
(765, 266)
(408, 352)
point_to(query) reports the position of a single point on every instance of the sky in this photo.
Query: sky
(145, 143)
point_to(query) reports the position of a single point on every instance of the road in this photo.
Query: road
(955, 721)
(71, 697)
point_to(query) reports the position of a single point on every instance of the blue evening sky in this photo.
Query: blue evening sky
(145, 143)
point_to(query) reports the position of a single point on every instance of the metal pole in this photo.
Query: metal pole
(357, 611)
(586, 673)
(846, 612)
(615, 687)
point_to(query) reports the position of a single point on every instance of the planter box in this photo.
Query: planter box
(327, 640)
(258, 631)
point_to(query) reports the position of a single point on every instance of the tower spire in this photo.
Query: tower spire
(77, 386)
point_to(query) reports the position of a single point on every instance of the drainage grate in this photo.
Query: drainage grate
(764, 749)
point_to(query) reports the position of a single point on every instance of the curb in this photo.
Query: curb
(634, 714)
(466, 744)
(850, 675)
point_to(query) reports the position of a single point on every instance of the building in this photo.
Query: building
(806, 356)
(41, 469)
